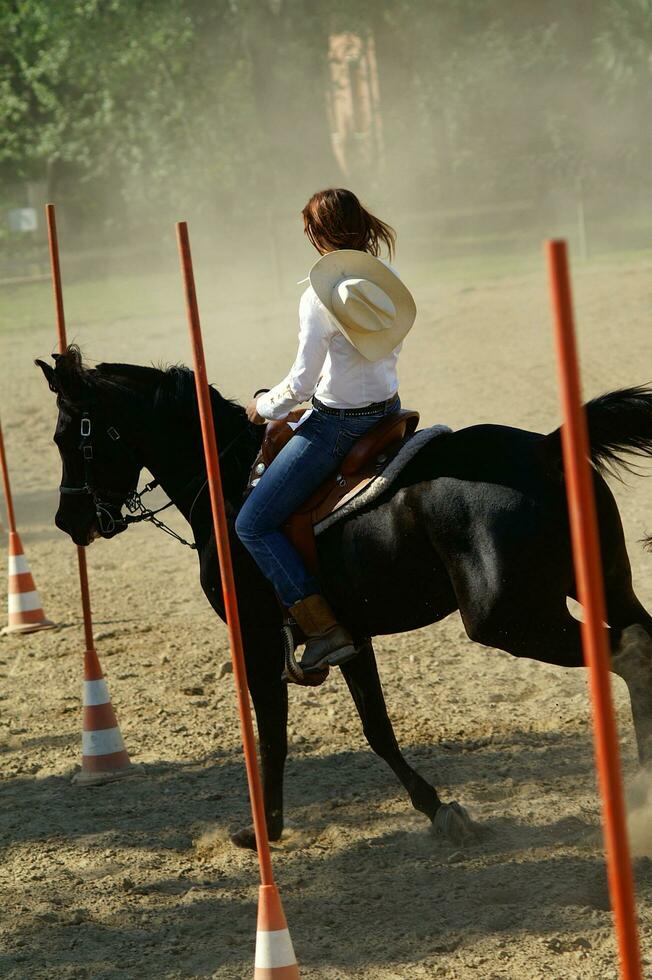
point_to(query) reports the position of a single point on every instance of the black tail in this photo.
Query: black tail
(620, 426)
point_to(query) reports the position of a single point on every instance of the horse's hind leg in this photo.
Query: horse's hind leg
(361, 676)
(631, 624)
(558, 641)
(547, 632)
(631, 628)
(633, 662)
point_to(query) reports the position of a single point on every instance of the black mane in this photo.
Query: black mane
(172, 387)
(168, 395)
(176, 389)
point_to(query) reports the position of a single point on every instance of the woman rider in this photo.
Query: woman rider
(352, 319)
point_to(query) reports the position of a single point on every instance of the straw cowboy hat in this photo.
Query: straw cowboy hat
(370, 304)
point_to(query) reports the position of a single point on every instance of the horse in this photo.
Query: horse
(476, 522)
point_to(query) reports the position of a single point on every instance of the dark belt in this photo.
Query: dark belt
(372, 409)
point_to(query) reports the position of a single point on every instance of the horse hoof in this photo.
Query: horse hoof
(453, 823)
(245, 838)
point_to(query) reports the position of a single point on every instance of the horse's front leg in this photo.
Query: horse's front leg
(264, 656)
(361, 676)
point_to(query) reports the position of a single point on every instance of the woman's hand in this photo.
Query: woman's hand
(252, 414)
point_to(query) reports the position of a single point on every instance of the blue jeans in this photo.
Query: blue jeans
(313, 453)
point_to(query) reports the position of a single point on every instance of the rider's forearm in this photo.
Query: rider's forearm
(278, 401)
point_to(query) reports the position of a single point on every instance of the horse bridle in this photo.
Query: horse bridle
(132, 499)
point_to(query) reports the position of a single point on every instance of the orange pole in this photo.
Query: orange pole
(224, 553)
(53, 242)
(588, 573)
(63, 344)
(11, 517)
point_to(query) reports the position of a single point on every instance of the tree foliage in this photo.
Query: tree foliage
(220, 103)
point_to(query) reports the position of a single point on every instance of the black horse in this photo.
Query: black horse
(477, 521)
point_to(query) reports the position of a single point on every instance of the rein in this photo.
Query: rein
(138, 511)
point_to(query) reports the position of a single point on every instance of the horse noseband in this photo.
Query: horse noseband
(131, 499)
(106, 522)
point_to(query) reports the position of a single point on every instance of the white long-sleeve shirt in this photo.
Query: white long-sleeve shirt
(329, 366)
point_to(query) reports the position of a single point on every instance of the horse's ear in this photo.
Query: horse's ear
(70, 377)
(49, 373)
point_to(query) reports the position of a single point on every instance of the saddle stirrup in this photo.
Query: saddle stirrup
(328, 643)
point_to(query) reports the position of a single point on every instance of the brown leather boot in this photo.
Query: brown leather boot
(328, 643)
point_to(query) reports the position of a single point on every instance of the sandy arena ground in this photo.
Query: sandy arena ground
(138, 879)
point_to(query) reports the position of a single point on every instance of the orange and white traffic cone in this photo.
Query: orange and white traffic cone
(275, 959)
(104, 757)
(25, 609)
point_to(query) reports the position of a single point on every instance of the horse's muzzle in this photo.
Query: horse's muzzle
(85, 528)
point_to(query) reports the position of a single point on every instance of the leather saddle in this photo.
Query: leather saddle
(363, 463)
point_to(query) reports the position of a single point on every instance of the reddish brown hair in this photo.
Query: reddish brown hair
(335, 219)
